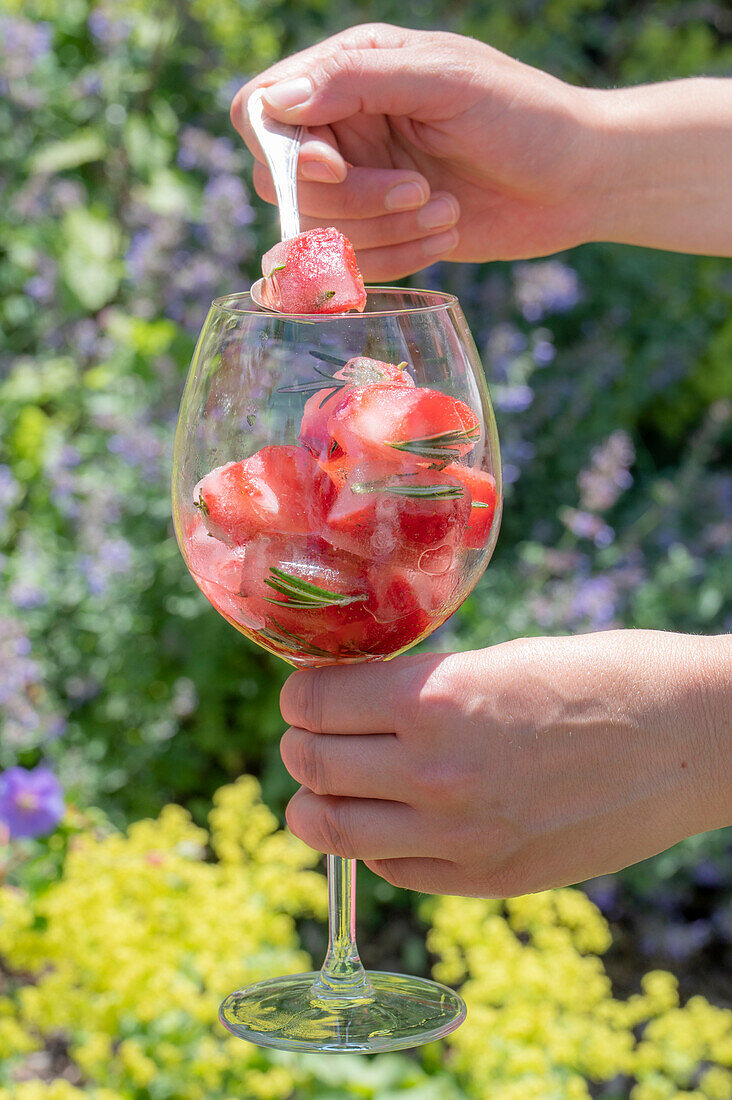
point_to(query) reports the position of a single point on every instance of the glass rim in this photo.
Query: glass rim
(441, 301)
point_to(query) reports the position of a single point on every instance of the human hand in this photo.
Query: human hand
(424, 145)
(528, 765)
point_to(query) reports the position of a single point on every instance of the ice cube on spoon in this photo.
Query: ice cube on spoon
(311, 272)
(315, 272)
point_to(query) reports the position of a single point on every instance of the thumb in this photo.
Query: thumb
(372, 82)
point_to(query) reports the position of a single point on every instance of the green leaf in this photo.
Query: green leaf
(90, 263)
(170, 192)
(85, 146)
(145, 147)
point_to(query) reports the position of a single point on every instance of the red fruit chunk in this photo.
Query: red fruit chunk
(278, 491)
(384, 516)
(482, 489)
(321, 406)
(314, 604)
(406, 428)
(306, 590)
(315, 272)
(218, 570)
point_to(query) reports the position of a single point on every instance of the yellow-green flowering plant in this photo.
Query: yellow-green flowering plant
(542, 1020)
(112, 971)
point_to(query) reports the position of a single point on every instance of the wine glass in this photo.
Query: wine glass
(336, 496)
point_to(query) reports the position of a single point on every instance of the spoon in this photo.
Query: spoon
(281, 147)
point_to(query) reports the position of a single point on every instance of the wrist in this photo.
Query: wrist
(660, 162)
(712, 710)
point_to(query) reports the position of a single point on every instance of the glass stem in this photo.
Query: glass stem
(342, 976)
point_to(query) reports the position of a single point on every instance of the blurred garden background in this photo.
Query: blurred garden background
(132, 709)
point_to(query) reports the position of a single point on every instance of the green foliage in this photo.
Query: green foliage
(117, 962)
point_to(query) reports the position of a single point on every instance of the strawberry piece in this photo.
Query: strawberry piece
(406, 428)
(218, 570)
(280, 490)
(383, 516)
(360, 371)
(482, 489)
(315, 272)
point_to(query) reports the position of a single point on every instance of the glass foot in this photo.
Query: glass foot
(283, 1013)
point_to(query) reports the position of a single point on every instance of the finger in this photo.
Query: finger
(440, 213)
(410, 82)
(347, 699)
(365, 766)
(364, 193)
(364, 37)
(426, 875)
(382, 265)
(319, 158)
(357, 828)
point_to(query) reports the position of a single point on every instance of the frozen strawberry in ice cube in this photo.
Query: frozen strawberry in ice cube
(280, 490)
(218, 569)
(315, 272)
(360, 371)
(482, 489)
(301, 591)
(383, 516)
(406, 428)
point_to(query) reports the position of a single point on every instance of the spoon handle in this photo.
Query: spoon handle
(281, 146)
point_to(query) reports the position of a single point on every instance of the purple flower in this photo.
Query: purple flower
(505, 344)
(24, 43)
(595, 600)
(31, 802)
(10, 491)
(545, 286)
(609, 473)
(543, 352)
(26, 596)
(199, 149)
(65, 194)
(225, 198)
(582, 524)
(513, 399)
(107, 29)
(90, 83)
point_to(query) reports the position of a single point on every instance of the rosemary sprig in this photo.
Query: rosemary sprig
(480, 504)
(315, 384)
(201, 503)
(440, 447)
(328, 358)
(304, 595)
(293, 643)
(423, 492)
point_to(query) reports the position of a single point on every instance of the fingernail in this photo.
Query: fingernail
(443, 242)
(405, 196)
(289, 93)
(439, 212)
(318, 171)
